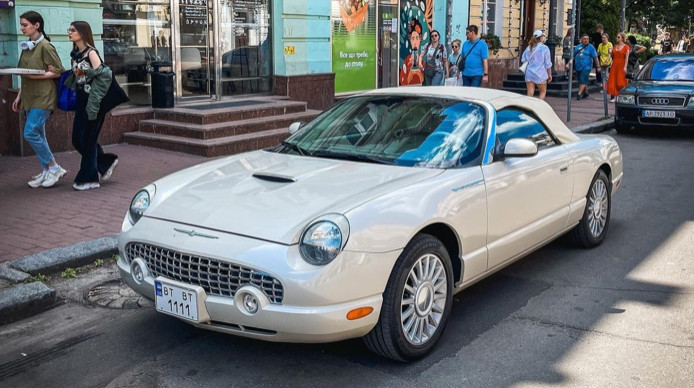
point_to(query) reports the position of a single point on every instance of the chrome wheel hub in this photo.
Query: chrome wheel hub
(598, 208)
(423, 299)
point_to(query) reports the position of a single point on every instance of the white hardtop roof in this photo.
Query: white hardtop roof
(499, 99)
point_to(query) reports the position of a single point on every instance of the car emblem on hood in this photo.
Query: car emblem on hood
(660, 101)
(193, 233)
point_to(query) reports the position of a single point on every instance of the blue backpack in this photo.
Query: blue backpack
(67, 98)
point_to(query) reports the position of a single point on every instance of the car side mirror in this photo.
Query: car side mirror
(519, 148)
(629, 75)
(294, 127)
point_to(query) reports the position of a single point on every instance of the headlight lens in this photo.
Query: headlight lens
(691, 100)
(324, 239)
(140, 203)
(626, 99)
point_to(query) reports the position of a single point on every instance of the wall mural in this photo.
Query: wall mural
(354, 44)
(416, 21)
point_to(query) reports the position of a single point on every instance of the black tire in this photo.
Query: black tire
(592, 228)
(388, 338)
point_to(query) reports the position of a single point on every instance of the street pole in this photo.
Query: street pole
(577, 20)
(622, 16)
(571, 62)
(551, 44)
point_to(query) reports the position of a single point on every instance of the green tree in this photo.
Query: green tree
(605, 12)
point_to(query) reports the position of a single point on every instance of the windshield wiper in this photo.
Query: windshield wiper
(348, 156)
(296, 148)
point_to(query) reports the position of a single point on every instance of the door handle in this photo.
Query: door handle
(564, 169)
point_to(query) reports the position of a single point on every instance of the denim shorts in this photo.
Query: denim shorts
(582, 76)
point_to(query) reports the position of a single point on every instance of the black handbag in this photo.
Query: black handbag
(114, 96)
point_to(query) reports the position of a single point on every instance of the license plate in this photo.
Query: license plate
(668, 114)
(177, 301)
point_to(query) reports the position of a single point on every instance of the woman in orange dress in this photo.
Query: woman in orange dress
(618, 71)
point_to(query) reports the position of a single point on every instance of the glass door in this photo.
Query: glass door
(245, 47)
(195, 52)
(388, 44)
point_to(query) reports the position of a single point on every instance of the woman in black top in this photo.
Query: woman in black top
(89, 73)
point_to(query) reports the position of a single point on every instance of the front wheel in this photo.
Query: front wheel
(416, 302)
(592, 228)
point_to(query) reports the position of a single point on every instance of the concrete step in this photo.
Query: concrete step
(228, 145)
(224, 129)
(223, 111)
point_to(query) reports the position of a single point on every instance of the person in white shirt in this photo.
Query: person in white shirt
(539, 70)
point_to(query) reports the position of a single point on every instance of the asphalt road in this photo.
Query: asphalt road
(621, 314)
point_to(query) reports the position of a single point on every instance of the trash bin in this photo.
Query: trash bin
(162, 85)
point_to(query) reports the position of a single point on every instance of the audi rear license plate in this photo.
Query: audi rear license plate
(177, 301)
(666, 114)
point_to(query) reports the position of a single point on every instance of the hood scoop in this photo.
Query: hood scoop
(271, 177)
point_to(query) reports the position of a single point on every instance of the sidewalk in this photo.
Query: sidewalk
(35, 220)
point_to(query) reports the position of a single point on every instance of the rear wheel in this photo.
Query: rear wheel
(416, 303)
(592, 228)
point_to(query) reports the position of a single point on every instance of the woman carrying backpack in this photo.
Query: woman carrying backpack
(38, 95)
(92, 80)
(434, 60)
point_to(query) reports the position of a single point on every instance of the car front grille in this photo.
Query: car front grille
(214, 276)
(661, 101)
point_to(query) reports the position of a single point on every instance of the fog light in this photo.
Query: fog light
(138, 270)
(250, 303)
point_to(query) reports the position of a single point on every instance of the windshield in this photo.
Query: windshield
(670, 69)
(399, 130)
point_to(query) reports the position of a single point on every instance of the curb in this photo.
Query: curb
(75, 255)
(23, 300)
(596, 127)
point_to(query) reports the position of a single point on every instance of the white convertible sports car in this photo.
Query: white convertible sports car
(366, 221)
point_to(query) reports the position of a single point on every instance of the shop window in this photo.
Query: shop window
(136, 34)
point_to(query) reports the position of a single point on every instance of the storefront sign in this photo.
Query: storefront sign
(6, 4)
(289, 50)
(193, 12)
(354, 44)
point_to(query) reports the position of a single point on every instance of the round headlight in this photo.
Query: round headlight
(323, 240)
(140, 203)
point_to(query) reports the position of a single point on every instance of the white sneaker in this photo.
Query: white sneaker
(53, 176)
(108, 172)
(37, 179)
(612, 100)
(85, 186)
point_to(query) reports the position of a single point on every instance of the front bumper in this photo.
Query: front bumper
(632, 116)
(315, 302)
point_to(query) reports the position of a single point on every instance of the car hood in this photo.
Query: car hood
(273, 196)
(664, 87)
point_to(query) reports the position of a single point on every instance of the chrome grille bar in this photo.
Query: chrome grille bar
(214, 276)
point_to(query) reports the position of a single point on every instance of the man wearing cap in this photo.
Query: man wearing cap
(585, 58)
(539, 70)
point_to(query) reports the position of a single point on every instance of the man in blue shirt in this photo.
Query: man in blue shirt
(584, 58)
(476, 53)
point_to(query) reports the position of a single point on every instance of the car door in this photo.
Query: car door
(527, 197)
